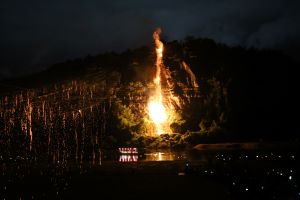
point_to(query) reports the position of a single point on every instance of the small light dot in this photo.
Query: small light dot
(247, 189)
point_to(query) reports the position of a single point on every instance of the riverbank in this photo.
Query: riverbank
(249, 146)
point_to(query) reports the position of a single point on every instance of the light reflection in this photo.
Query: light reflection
(239, 180)
(159, 156)
(128, 158)
(128, 150)
(163, 156)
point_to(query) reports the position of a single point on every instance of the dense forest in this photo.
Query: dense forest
(99, 100)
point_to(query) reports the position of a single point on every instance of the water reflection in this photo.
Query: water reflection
(249, 172)
(132, 154)
(128, 158)
(160, 156)
(165, 156)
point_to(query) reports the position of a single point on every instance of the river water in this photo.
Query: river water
(162, 155)
(258, 174)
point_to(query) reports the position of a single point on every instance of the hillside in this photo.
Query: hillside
(242, 95)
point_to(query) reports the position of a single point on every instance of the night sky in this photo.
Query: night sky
(35, 34)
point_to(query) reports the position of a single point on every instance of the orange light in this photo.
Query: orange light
(157, 112)
(156, 109)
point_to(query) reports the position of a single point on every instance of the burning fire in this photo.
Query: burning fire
(157, 112)
(156, 108)
(163, 103)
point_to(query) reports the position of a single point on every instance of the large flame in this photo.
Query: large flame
(156, 108)
(162, 104)
(157, 112)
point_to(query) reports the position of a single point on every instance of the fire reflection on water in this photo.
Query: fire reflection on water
(161, 156)
(153, 156)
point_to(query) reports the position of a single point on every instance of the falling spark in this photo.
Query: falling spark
(191, 74)
(29, 120)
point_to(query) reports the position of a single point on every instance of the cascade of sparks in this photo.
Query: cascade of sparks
(156, 108)
(162, 103)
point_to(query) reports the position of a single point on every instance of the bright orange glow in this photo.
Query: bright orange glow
(156, 108)
(157, 112)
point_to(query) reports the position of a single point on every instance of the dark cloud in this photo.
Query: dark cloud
(37, 33)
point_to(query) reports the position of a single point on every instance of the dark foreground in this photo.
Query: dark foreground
(203, 175)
